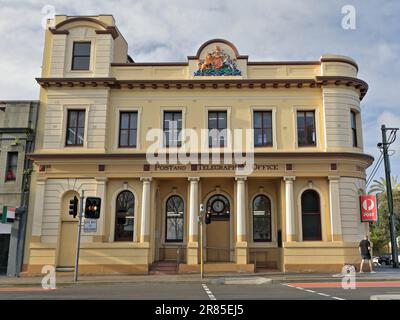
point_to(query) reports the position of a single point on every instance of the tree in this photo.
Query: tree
(380, 230)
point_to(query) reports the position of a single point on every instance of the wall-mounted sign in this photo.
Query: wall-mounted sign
(90, 225)
(369, 208)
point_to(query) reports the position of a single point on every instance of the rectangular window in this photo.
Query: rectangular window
(217, 128)
(127, 129)
(75, 127)
(12, 164)
(172, 128)
(354, 128)
(262, 125)
(306, 135)
(81, 56)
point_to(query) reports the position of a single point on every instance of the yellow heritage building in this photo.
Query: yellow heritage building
(296, 209)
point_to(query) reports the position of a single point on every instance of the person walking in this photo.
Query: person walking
(365, 251)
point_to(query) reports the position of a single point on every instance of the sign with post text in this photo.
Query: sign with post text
(369, 208)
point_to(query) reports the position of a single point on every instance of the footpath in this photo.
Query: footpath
(66, 278)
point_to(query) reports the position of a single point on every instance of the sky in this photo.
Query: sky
(170, 30)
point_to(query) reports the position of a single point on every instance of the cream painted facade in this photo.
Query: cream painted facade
(333, 167)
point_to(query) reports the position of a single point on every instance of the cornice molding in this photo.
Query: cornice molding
(218, 83)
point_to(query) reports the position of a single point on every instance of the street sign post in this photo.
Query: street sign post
(78, 245)
(201, 217)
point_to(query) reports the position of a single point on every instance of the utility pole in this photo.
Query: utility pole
(385, 146)
(78, 244)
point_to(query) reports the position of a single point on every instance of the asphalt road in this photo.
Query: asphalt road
(172, 291)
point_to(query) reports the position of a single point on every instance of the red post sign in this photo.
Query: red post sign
(369, 208)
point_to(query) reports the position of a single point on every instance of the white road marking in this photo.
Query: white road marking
(209, 293)
(312, 291)
(323, 294)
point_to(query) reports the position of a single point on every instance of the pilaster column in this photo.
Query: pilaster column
(101, 184)
(289, 205)
(334, 208)
(241, 243)
(192, 246)
(38, 209)
(146, 205)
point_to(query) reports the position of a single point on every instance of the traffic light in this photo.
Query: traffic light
(73, 206)
(92, 208)
(208, 218)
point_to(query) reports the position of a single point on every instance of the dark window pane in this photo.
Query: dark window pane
(174, 219)
(306, 128)
(123, 138)
(124, 120)
(172, 128)
(11, 168)
(128, 129)
(81, 56)
(133, 120)
(75, 127)
(82, 48)
(212, 120)
(311, 227)
(222, 123)
(81, 63)
(132, 138)
(262, 128)
(261, 218)
(257, 120)
(311, 215)
(124, 216)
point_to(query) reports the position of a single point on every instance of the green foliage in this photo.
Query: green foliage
(380, 230)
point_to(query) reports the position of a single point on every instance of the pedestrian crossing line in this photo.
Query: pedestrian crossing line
(312, 291)
(209, 293)
(323, 294)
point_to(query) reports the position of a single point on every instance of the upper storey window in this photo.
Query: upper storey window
(75, 127)
(128, 129)
(217, 125)
(172, 128)
(354, 128)
(81, 56)
(262, 128)
(306, 128)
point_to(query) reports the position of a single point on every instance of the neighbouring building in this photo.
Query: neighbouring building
(17, 130)
(297, 209)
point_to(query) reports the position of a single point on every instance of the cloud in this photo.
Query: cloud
(169, 30)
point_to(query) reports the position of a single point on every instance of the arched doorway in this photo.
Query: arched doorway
(218, 231)
(68, 233)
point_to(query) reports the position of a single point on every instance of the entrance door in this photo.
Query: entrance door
(218, 231)
(68, 234)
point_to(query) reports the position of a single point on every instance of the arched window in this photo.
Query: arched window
(311, 215)
(261, 219)
(124, 216)
(218, 206)
(174, 219)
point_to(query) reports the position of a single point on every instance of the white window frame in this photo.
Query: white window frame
(172, 109)
(228, 111)
(118, 111)
(66, 107)
(272, 109)
(318, 137)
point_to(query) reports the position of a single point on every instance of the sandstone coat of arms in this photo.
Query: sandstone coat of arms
(217, 63)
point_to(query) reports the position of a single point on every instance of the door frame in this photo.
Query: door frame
(231, 222)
